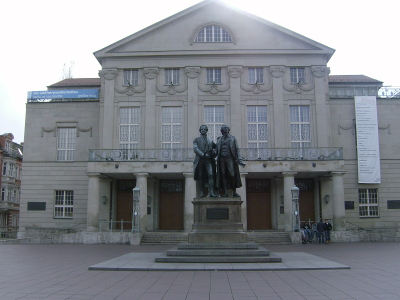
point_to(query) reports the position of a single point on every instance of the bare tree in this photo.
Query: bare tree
(68, 69)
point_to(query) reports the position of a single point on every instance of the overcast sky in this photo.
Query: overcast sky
(38, 37)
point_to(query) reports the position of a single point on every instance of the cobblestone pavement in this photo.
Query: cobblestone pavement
(61, 272)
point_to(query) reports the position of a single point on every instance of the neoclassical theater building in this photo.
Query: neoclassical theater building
(210, 64)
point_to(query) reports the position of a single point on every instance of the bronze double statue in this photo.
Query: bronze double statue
(226, 174)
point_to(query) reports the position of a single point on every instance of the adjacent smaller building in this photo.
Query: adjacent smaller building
(10, 185)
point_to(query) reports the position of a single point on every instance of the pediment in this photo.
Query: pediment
(175, 35)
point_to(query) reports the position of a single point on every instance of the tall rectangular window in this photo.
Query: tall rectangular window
(256, 75)
(4, 168)
(129, 127)
(257, 127)
(66, 144)
(3, 194)
(300, 127)
(131, 77)
(171, 127)
(368, 202)
(64, 204)
(214, 118)
(11, 170)
(171, 76)
(297, 75)
(214, 76)
(4, 219)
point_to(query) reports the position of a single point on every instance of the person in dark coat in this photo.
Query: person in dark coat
(204, 162)
(228, 161)
(320, 231)
(328, 228)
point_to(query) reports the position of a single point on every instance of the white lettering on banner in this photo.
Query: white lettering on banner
(64, 94)
(369, 165)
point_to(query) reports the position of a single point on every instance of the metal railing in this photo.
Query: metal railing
(389, 92)
(187, 154)
(111, 226)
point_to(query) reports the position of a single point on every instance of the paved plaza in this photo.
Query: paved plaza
(62, 272)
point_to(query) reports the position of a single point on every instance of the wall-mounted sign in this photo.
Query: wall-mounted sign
(64, 94)
(369, 167)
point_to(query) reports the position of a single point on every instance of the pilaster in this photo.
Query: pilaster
(234, 74)
(320, 105)
(150, 110)
(279, 120)
(193, 100)
(108, 75)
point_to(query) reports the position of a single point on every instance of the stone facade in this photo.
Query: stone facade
(210, 64)
(10, 185)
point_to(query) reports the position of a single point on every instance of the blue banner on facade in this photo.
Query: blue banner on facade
(64, 94)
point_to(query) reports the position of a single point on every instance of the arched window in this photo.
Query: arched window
(213, 33)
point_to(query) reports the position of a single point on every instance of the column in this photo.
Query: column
(150, 109)
(236, 114)
(279, 120)
(288, 183)
(141, 183)
(277, 192)
(320, 105)
(93, 204)
(190, 194)
(107, 122)
(193, 102)
(339, 213)
(242, 192)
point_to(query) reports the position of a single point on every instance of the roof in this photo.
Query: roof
(77, 82)
(352, 79)
(136, 45)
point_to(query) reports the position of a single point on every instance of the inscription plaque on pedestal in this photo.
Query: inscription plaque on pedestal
(218, 213)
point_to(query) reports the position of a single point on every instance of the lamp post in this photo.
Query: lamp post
(295, 209)
(135, 212)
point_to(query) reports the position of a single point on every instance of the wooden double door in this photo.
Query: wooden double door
(124, 207)
(258, 195)
(171, 205)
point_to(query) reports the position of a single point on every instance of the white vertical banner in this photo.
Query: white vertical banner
(369, 167)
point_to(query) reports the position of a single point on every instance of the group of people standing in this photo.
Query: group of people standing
(322, 231)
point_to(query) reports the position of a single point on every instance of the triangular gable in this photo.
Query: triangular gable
(174, 35)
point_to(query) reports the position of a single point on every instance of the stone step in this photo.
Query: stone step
(258, 237)
(218, 246)
(164, 237)
(218, 259)
(269, 237)
(218, 252)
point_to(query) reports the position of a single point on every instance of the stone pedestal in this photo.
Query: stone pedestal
(217, 220)
(218, 236)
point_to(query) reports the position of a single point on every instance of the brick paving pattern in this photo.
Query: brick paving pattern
(61, 272)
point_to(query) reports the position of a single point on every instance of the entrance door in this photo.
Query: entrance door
(171, 205)
(125, 203)
(306, 199)
(258, 204)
